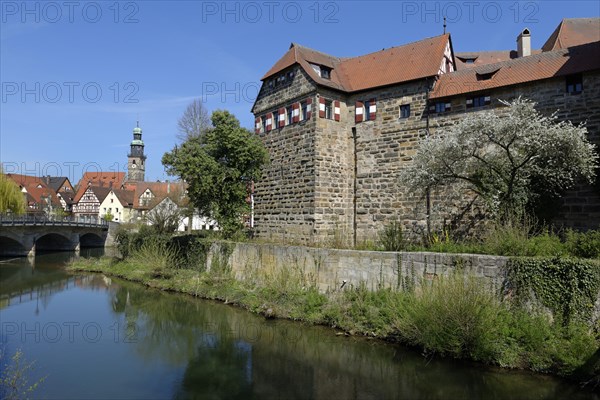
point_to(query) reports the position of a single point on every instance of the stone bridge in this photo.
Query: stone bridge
(24, 235)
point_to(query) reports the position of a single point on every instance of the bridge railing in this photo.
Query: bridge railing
(35, 220)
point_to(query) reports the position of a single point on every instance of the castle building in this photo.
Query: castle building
(136, 160)
(340, 130)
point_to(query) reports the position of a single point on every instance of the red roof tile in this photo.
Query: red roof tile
(405, 63)
(101, 179)
(26, 180)
(573, 32)
(545, 65)
(485, 57)
(160, 190)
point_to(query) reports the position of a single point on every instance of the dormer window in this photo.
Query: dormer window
(316, 68)
(321, 70)
(484, 74)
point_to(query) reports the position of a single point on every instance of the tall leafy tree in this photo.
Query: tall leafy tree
(509, 159)
(11, 198)
(218, 167)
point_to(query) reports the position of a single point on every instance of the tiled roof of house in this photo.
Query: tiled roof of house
(572, 32)
(101, 179)
(36, 188)
(55, 182)
(304, 56)
(405, 63)
(126, 197)
(100, 191)
(485, 57)
(68, 197)
(26, 180)
(536, 67)
(159, 190)
(36, 195)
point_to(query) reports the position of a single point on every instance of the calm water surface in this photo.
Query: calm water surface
(94, 337)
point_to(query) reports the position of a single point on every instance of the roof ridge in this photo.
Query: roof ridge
(397, 47)
(301, 47)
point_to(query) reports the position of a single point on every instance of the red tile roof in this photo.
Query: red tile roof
(126, 197)
(101, 179)
(26, 180)
(160, 190)
(405, 63)
(485, 57)
(573, 32)
(545, 65)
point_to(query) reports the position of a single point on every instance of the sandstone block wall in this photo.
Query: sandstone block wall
(579, 208)
(337, 182)
(331, 267)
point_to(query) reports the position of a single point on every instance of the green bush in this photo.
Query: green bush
(453, 316)
(583, 244)
(156, 253)
(391, 237)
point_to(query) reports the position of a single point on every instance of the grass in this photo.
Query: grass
(452, 316)
(518, 240)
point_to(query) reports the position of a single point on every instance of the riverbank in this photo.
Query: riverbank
(450, 316)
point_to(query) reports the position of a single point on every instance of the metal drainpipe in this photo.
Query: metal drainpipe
(355, 187)
(428, 193)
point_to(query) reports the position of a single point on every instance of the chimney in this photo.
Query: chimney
(168, 187)
(524, 43)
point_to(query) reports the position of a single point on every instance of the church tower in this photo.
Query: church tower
(136, 160)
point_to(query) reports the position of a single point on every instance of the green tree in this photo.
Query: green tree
(218, 167)
(108, 216)
(508, 159)
(11, 198)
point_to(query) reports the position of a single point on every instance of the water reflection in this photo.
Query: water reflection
(230, 353)
(150, 344)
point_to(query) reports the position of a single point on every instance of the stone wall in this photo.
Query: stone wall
(330, 268)
(285, 196)
(337, 182)
(580, 207)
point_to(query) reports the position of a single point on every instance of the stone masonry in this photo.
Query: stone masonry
(333, 180)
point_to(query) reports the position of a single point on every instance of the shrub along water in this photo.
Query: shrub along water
(455, 315)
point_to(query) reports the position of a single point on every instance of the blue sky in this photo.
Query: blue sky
(77, 75)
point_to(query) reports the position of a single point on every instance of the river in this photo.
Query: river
(93, 337)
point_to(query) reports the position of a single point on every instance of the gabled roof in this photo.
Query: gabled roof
(38, 193)
(159, 190)
(404, 63)
(573, 32)
(55, 182)
(126, 197)
(304, 56)
(102, 179)
(536, 67)
(99, 192)
(26, 180)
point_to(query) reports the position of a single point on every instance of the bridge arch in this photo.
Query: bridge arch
(55, 242)
(11, 245)
(90, 239)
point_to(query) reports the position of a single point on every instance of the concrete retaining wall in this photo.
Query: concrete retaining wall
(331, 267)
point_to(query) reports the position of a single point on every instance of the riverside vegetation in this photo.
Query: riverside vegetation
(545, 323)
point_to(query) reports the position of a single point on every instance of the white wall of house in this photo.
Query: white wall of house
(113, 204)
(198, 223)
